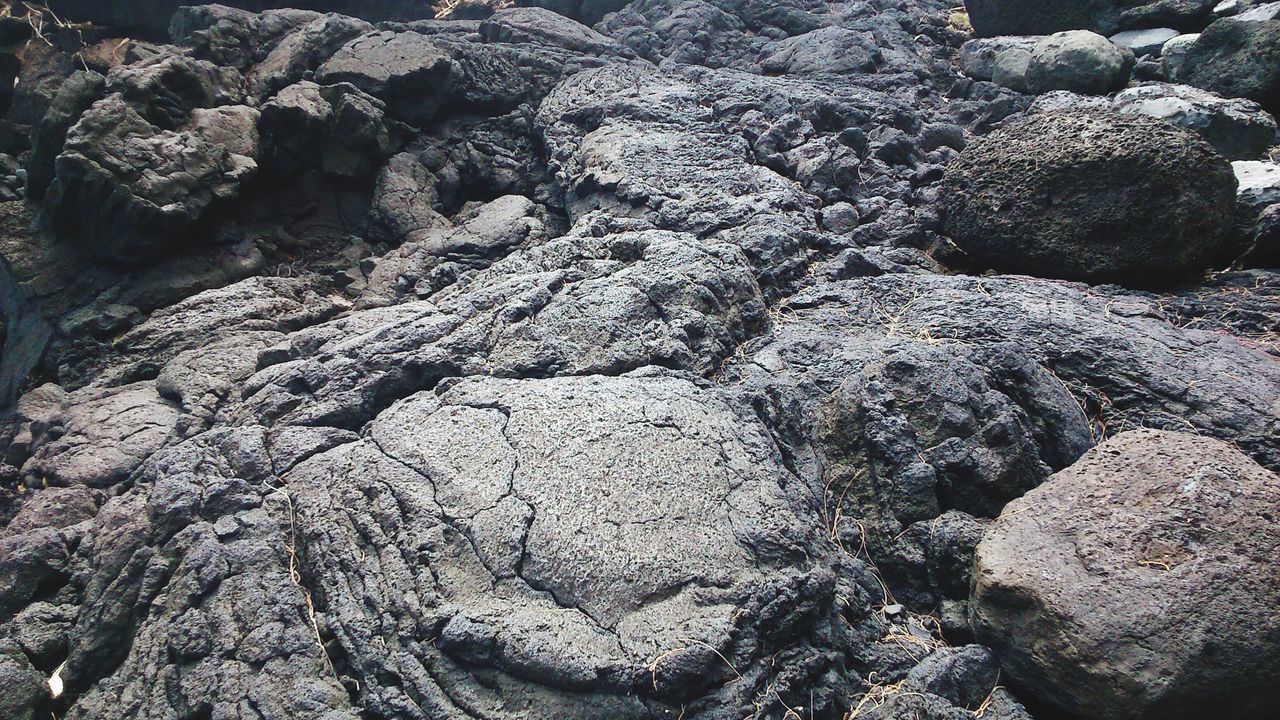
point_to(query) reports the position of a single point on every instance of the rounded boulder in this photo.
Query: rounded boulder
(1140, 583)
(1078, 61)
(1093, 195)
(1238, 58)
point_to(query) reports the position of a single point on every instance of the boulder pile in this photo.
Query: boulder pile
(1210, 68)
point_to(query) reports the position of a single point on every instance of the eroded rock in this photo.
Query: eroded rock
(1104, 588)
(1035, 198)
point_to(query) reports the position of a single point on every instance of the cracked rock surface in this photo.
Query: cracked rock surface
(497, 368)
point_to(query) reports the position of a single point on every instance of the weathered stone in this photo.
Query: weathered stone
(1052, 195)
(1145, 42)
(1078, 61)
(1104, 590)
(1237, 58)
(1239, 129)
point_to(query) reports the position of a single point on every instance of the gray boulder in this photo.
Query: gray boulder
(303, 50)
(1259, 182)
(24, 694)
(131, 191)
(1010, 69)
(334, 128)
(978, 56)
(1041, 17)
(1174, 55)
(831, 49)
(1140, 583)
(1257, 214)
(1260, 11)
(1090, 195)
(419, 76)
(1077, 60)
(1184, 15)
(538, 25)
(1237, 58)
(1237, 128)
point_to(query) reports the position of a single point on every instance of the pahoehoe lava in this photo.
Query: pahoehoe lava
(652, 360)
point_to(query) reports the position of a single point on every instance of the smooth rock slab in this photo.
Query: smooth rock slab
(1140, 583)
(589, 534)
(1259, 182)
(1144, 42)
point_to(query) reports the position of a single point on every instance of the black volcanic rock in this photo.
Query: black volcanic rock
(506, 368)
(1091, 195)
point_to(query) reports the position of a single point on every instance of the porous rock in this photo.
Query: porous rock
(1237, 58)
(530, 379)
(1104, 589)
(1035, 198)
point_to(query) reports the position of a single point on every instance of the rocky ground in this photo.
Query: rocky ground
(663, 359)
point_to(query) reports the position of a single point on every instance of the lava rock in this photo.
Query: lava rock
(1090, 195)
(1239, 129)
(334, 128)
(159, 182)
(830, 49)
(75, 96)
(1104, 591)
(1145, 42)
(302, 51)
(1259, 182)
(417, 75)
(1257, 214)
(1079, 61)
(1041, 17)
(24, 694)
(523, 25)
(1184, 15)
(964, 675)
(978, 56)
(1237, 58)
(99, 436)
(1174, 54)
(1010, 69)
(154, 17)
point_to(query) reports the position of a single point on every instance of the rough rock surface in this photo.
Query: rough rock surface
(1237, 58)
(1142, 203)
(1044, 17)
(1239, 129)
(510, 368)
(1105, 588)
